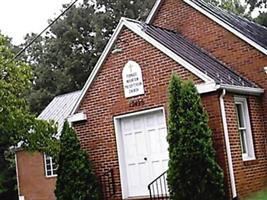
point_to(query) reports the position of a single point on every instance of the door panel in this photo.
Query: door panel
(145, 150)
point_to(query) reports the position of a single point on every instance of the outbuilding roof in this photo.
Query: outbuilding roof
(196, 56)
(60, 108)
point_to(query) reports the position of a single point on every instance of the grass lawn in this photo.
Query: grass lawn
(259, 196)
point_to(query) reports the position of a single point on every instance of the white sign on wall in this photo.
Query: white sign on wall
(132, 79)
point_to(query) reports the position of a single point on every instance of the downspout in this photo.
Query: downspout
(17, 173)
(227, 144)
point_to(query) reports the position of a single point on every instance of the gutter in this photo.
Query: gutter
(242, 90)
(228, 147)
(212, 87)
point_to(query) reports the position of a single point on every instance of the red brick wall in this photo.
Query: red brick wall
(245, 59)
(105, 98)
(242, 57)
(250, 176)
(33, 184)
(211, 104)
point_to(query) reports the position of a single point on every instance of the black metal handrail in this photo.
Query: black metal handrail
(108, 184)
(158, 189)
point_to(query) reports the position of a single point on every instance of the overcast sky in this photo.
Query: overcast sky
(19, 17)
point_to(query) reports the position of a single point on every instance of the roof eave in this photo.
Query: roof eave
(242, 90)
(77, 117)
(212, 87)
(16, 149)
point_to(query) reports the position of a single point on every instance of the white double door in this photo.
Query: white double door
(145, 150)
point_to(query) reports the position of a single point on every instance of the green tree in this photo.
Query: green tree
(256, 4)
(234, 6)
(75, 180)
(64, 57)
(193, 172)
(17, 124)
(244, 8)
(262, 19)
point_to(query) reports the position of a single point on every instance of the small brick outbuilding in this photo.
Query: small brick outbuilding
(37, 172)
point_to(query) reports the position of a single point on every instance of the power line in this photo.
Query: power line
(34, 39)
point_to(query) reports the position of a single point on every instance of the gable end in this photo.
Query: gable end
(217, 20)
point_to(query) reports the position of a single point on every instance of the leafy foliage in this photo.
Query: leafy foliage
(193, 172)
(256, 4)
(63, 59)
(17, 124)
(244, 8)
(234, 6)
(8, 180)
(262, 19)
(75, 180)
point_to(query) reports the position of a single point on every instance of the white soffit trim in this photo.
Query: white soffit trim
(153, 11)
(77, 117)
(226, 26)
(133, 26)
(207, 87)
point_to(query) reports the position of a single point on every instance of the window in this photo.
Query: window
(244, 128)
(50, 166)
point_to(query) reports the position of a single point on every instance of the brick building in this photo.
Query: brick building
(125, 98)
(37, 172)
(121, 114)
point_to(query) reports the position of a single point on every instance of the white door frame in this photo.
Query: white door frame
(120, 149)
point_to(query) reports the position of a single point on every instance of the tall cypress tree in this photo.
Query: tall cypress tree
(193, 172)
(76, 180)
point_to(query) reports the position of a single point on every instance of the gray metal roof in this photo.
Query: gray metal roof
(199, 58)
(60, 108)
(251, 30)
